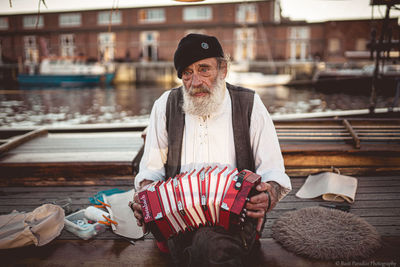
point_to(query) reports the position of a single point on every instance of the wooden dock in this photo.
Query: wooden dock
(46, 165)
(377, 201)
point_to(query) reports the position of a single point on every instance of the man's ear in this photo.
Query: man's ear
(223, 69)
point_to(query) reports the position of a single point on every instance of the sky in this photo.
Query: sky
(309, 10)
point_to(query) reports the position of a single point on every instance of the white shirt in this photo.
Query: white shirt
(209, 142)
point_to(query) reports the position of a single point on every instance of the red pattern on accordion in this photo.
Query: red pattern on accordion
(210, 196)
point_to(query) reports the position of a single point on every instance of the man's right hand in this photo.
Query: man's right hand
(135, 206)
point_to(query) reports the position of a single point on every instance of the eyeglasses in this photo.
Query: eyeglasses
(203, 71)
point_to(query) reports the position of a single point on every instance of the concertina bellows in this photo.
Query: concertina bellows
(208, 197)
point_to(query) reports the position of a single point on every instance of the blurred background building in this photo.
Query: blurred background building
(251, 32)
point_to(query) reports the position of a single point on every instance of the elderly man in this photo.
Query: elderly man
(210, 122)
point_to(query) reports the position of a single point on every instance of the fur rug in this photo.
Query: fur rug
(326, 234)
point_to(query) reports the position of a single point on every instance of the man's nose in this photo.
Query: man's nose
(196, 80)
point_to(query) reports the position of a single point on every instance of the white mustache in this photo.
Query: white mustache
(195, 90)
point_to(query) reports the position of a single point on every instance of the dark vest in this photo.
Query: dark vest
(242, 106)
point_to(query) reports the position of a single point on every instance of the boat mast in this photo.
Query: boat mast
(380, 47)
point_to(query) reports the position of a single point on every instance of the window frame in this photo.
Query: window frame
(242, 10)
(71, 20)
(188, 13)
(4, 24)
(33, 21)
(148, 11)
(103, 17)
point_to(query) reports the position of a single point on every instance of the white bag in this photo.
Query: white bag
(329, 185)
(121, 213)
(38, 227)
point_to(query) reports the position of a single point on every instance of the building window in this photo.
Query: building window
(67, 45)
(197, 13)
(246, 13)
(361, 44)
(297, 33)
(31, 50)
(106, 46)
(149, 45)
(70, 20)
(299, 43)
(153, 15)
(333, 45)
(3, 23)
(109, 17)
(244, 44)
(33, 21)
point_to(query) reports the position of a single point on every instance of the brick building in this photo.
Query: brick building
(252, 31)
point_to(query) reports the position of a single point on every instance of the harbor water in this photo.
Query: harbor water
(27, 107)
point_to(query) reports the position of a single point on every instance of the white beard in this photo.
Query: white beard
(204, 105)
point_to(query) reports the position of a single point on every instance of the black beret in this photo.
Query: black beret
(194, 47)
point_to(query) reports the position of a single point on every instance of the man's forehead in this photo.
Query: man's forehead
(204, 62)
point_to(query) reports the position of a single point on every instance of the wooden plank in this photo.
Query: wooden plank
(306, 134)
(359, 159)
(62, 181)
(88, 253)
(338, 131)
(362, 212)
(315, 138)
(119, 182)
(298, 146)
(84, 143)
(363, 181)
(345, 170)
(81, 128)
(380, 130)
(301, 171)
(15, 142)
(338, 122)
(69, 157)
(385, 231)
(378, 126)
(360, 204)
(313, 130)
(61, 173)
(97, 128)
(359, 196)
(145, 253)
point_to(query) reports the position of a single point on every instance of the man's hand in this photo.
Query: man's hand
(135, 205)
(262, 202)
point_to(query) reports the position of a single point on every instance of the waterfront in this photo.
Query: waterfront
(132, 104)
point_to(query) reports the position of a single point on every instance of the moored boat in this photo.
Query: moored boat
(257, 79)
(68, 72)
(356, 78)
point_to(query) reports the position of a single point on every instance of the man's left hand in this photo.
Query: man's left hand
(258, 204)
